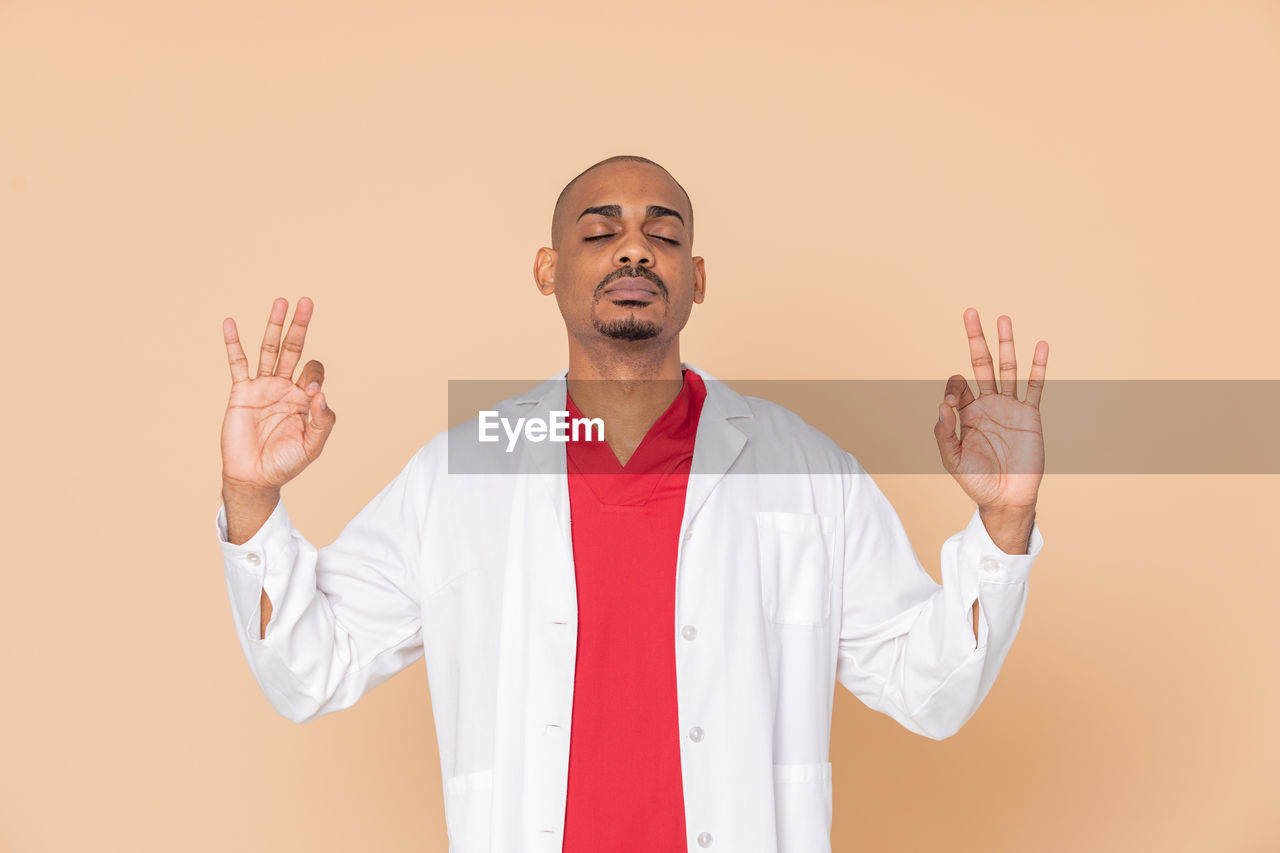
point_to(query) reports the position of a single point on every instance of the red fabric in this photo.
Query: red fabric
(625, 791)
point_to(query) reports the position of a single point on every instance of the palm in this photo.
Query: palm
(263, 432)
(273, 427)
(1001, 451)
(998, 458)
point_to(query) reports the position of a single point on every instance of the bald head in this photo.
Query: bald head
(561, 217)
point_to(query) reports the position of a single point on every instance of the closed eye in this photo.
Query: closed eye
(605, 236)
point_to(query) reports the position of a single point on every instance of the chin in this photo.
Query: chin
(630, 328)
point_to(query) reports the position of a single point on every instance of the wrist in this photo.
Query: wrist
(248, 508)
(246, 494)
(1009, 527)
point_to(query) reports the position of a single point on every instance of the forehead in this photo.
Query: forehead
(627, 184)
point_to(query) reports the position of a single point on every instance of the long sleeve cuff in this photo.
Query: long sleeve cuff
(248, 567)
(993, 565)
(273, 532)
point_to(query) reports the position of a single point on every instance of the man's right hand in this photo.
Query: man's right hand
(273, 427)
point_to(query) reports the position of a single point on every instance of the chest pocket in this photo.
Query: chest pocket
(795, 566)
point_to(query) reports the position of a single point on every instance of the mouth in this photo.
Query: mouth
(631, 290)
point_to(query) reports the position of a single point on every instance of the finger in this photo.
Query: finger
(957, 393)
(1035, 382)
(312, 374)
(271, 339)
(945, 432)
(979, 354)
(293, 341)
(319, 426)
(1008, 358)
(235, 353)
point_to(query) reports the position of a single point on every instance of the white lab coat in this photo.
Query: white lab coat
(786, 582)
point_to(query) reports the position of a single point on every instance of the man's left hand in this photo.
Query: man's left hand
(998, 458)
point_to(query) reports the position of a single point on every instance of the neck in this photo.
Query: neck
(624, 361)
(627, 384)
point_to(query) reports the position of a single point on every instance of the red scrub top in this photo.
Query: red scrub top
(625, 791)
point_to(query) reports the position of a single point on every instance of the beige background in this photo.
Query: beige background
(1106, 173)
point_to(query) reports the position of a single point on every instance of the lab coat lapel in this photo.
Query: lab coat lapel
(548, 457)
(723, 429)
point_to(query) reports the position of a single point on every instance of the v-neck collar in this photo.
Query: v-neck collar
(724, 428)
(657, 452)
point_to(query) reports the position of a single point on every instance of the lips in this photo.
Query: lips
(632, 289)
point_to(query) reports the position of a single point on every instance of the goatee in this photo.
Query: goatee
(628, 329)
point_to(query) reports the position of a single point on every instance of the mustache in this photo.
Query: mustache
(633, 272)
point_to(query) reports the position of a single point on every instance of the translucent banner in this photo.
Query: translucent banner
(1090, 426)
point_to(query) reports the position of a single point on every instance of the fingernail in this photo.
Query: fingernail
(313, 387)
(324, 404)
(951, 401)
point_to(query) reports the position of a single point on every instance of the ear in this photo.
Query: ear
(544, 271)
(699, 280)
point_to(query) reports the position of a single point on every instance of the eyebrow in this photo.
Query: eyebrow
(653, 211)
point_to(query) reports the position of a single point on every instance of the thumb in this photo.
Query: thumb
(945, 432)
(319, 425)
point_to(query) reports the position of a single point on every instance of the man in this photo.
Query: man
(631, 645)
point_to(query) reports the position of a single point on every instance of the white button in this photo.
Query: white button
(689, 632)
(704, 839)
(252, 559)
(688, 534)
(991, 565)
(695, 734)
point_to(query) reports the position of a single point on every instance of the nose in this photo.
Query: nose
(633, 249)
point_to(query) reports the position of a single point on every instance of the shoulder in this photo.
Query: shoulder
(782, 432)
(778, 421)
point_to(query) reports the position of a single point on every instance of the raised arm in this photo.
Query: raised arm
(998, 459)
(273, 428)
(318, 626)
(927, 654)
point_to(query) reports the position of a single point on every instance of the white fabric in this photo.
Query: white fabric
(791, 582)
